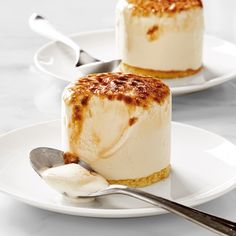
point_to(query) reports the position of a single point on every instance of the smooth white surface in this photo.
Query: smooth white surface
(219, 59)
(28, 96)
(190, 182)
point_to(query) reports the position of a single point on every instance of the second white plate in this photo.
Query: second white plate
(219, 58)
(203, 168)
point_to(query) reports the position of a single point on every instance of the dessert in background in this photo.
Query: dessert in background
(160, 38)
(120, 125)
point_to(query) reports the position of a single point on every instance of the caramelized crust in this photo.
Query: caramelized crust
(133, 120)
(70, 158)
(160, 7)
(132, 89)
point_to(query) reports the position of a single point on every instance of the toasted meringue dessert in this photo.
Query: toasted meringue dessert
(160, 38)
(120, 125)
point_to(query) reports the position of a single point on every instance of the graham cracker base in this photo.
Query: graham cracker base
(144, 181)
(156, 73)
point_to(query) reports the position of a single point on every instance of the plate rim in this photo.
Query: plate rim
(119, 213)
(175, 91)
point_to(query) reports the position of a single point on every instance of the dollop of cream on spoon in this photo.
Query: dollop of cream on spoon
(74, 180)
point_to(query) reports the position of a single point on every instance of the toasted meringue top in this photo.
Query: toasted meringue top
(131, 89)
(160, 7)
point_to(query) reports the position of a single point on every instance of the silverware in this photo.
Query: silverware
(99, 67)
(42, 158)
(41, 26)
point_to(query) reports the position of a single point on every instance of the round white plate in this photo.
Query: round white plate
(203, 168)
(219, 58)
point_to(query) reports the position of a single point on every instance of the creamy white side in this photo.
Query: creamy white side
(74, 180)
(178, 44)
(115, 149)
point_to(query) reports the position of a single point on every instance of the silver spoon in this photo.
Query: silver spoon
(43, 157)
(41, 26)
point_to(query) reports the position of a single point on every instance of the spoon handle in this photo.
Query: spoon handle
(41, 26)
(213, 223)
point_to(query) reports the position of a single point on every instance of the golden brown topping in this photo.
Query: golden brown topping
(152, 33)
(153, 29)
(133, 120)
(159, 7)
(70, 158)
(129, 88)
(85, 100)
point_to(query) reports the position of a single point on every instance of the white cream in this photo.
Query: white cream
(176, 46)
(115, 149)
(74, 180)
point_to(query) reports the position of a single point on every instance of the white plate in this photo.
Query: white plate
(219, 58)
(203, 168)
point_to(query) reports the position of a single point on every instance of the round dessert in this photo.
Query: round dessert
(120, 125)
(160, 38)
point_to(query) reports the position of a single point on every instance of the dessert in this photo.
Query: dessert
(73, 180)
(120, 125)
(160, 38)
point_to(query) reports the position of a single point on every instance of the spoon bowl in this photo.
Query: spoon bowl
(42, 158)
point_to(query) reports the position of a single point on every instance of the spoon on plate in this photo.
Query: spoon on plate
(43, 158)
(42, 26)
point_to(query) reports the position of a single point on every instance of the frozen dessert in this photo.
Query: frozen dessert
(160, 38)
(120, 125)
